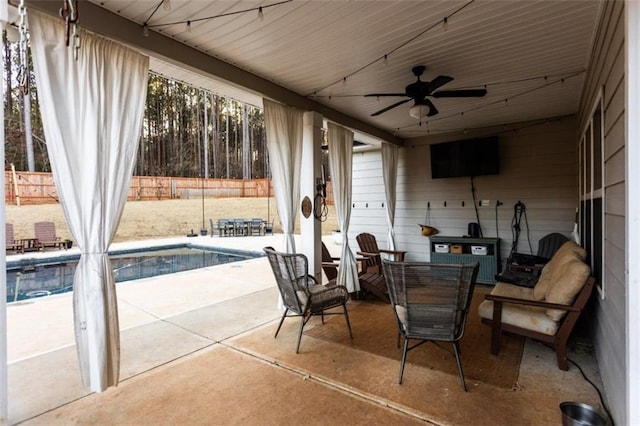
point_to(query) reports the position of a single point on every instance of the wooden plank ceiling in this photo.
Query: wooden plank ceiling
(530, 56)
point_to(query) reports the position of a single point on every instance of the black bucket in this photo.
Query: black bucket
(578, 414)
(473, 229)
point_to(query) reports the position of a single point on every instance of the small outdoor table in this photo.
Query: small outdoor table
(30, 244)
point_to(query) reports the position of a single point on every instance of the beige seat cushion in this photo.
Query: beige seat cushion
(303, 299)
(527, 317)
(401, 313)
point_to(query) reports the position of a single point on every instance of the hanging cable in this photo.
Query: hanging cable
(403, 44)
(475, 205)
(320, 209)
(208, 18)
(519, 211)
(144, 24)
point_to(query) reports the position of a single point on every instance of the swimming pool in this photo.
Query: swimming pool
(30, 278)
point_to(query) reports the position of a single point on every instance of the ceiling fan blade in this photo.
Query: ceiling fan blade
(390, 107)
(462, 93)
(432, 108)
(377, 95)
(437, 82)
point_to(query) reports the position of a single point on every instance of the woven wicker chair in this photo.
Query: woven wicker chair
(430, 303)
(301, 293)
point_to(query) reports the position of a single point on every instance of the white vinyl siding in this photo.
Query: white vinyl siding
(368, 212)
(606, 72)
(538, 166)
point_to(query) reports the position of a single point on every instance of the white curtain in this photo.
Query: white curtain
(284, 143)
(340, 142)
(92, 111)
(389, 175)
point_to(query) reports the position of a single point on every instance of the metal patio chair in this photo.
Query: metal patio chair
(255, 227)
(301, 293)
(430, 302)
(221, 227)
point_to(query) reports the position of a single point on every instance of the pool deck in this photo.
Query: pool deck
(40, 331)
(168, 321)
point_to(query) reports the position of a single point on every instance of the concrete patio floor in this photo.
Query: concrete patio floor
(183, 362)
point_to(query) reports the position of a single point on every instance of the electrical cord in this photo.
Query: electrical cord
(320, 209)
(584, 376)
(606, 409)
(526, 222)
(498, 204)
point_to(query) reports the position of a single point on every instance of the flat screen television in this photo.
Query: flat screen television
(470, 157)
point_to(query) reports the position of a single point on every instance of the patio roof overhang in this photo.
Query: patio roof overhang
(106, 23)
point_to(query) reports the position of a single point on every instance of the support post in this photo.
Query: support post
(14, 177)
(310, 228)
(4, 368)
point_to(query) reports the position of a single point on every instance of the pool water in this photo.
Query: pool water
(53, 276)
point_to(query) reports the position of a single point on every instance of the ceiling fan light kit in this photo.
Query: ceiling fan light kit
(419, 111)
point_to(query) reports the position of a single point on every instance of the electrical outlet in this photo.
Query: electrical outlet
(484, 203)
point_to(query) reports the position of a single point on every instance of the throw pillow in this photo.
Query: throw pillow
(568, 251)
(571, 277)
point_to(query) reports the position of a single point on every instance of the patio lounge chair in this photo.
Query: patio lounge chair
(301, 293)
(46, 234)
(430, 302)
(549, 311)
(372, 277)
(329, 263)
(11, 243)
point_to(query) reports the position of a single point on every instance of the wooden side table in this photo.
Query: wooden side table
(30, 244)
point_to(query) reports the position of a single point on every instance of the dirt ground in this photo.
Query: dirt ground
(157, 219)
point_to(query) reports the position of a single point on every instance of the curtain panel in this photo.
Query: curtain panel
(340, 141)
(92, 111)
(390, 176)
(283, 126)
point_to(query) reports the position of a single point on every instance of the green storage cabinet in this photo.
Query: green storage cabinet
(469, 250)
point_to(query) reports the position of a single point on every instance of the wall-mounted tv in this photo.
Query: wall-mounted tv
(471, 157)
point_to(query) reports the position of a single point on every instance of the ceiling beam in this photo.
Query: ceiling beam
(109, 24)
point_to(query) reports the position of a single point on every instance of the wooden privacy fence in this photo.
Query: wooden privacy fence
(38, 188)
